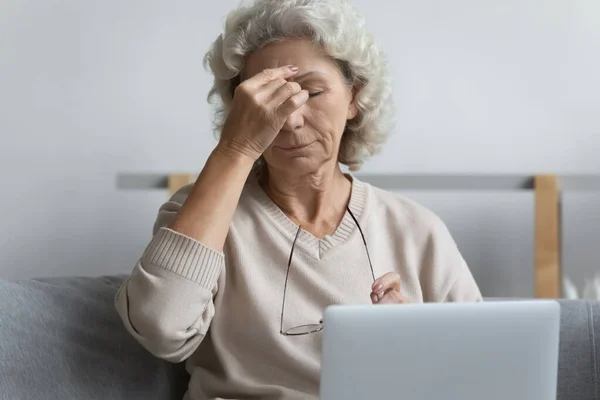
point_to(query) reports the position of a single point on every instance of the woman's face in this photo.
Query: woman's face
(311, 135)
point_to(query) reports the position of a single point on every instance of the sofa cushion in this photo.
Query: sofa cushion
(61, 338)
(578, 363)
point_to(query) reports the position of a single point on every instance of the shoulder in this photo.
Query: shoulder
(404, 213)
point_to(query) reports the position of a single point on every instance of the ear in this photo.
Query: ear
(353, 107)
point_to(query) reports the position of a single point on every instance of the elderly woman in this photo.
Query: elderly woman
(243, 262)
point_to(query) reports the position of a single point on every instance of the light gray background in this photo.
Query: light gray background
(92, 89)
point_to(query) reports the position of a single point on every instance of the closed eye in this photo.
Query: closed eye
(314, 94)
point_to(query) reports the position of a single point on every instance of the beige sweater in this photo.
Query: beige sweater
(180, 288)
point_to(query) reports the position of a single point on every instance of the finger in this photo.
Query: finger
(284, 92)
(275, 92)
(292, 104)
(264, 94)
(386, 282)
(393, 297)
(374, 298)
(272, 74)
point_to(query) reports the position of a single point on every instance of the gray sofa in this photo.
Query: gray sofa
(60, 339)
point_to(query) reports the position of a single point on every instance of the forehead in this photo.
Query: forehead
(302, 53)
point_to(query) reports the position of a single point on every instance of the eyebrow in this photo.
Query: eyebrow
(305, 75)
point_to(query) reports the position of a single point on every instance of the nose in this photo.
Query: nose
(294, 122)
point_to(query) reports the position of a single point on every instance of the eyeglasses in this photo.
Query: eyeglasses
(315, 327)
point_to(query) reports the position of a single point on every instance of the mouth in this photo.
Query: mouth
(294, 147)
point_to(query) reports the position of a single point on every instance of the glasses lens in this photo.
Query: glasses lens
(303, 329)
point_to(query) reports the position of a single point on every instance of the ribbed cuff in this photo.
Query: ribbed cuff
(184, 256)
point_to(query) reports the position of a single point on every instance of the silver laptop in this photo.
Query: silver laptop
(451, 351)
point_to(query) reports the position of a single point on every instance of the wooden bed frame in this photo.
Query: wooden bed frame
(547, 275)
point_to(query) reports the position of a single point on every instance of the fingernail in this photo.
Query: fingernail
(293, 68)
(374, 298)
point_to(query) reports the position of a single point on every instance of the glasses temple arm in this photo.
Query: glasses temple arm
(364, 241)
(287, 274)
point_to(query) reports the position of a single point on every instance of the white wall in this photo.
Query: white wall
(492, 86)
(92, 89)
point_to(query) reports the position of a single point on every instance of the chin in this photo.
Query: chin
(297, 165)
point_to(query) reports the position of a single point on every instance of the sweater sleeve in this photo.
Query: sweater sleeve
(167, 301)
(446, 275)
(464, 288)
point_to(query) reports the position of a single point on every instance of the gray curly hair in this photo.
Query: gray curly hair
(338, 28)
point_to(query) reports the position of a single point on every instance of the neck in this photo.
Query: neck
(317, 201)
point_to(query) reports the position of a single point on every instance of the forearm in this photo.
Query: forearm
(208, 210)
(167, 302)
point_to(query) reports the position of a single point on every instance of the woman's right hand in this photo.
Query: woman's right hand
(260, 107)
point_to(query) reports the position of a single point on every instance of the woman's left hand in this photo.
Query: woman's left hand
(386, 290)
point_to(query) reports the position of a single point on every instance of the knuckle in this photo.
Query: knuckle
(288, 87)
(293, 87)
(254, 98)
(296, 102)
(241, 89)
(265, 112)
(268, 73)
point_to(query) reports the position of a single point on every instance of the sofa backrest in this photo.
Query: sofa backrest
(62, 339)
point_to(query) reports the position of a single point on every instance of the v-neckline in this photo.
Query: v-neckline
(307, 242)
